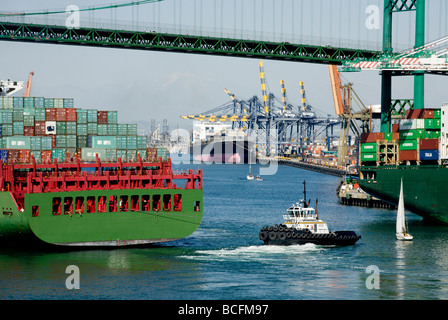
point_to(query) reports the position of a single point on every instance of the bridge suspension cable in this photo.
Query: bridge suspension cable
(101, 7)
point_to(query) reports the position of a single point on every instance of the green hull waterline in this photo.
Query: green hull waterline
(423, 188)
(99, 228)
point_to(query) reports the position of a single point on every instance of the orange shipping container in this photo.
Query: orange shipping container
(414, 114)
(50, 114)
(71, 114)
(24, 155)
(407, 155)
(61, 114)
(395, 127)
(428, 113)
(28, 131)
(39, 128)
(429, 144)
(372, 137)
(46, 156)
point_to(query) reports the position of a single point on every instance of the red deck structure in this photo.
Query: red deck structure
(74, 175)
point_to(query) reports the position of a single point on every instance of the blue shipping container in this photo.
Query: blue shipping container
(4, 155)
(429, 154)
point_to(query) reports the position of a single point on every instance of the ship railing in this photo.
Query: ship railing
(75, 176)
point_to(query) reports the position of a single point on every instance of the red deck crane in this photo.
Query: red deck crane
(28, 85)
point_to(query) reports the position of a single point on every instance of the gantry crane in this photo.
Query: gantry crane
(262, 118)
(343, 95)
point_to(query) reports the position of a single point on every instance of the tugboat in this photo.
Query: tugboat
(302, 225)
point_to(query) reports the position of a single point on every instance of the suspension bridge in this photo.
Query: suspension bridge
(200, 28)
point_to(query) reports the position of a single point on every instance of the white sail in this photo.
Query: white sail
(401, 227)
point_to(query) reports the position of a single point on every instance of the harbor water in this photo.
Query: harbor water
(224, 259)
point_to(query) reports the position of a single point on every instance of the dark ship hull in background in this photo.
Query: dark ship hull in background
(224, 151)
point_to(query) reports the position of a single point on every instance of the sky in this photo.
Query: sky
(145, 85)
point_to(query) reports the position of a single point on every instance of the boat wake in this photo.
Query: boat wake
(255, 252)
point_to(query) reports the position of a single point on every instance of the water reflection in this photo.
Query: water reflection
(401, 250)
(105, 274)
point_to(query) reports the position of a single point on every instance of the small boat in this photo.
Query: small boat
(302, 225)
(401, 229)
(258, 178)
(250, 177)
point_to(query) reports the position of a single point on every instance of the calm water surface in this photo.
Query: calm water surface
(224, 259)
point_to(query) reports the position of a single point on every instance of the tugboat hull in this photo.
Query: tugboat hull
(292, 237)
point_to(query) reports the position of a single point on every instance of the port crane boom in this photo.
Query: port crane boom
(27, 92)
(425, 58)
(282, 127)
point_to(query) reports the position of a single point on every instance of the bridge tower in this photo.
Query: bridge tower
(397, 6)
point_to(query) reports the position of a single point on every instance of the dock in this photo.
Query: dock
(350, 194)
(335, 171)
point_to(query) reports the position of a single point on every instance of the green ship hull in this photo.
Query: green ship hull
(423, 188)
(111, 227)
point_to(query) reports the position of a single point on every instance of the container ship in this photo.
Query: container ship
(219, 143)
(417, 151)
(76, 177)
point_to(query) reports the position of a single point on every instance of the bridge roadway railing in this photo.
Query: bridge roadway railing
(12, 29)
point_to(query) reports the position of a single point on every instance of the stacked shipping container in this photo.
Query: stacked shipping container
(415, 138)
(51, 128)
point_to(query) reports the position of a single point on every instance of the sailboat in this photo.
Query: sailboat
(401, 229)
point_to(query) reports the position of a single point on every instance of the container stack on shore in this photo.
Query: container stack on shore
(414, 140)
(52, 128)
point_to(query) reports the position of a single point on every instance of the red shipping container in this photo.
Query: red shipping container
(395, 136)
(61, 114)
(71, 114)
(102, 117)
(428, 113)
(363, 139)
(28, 131)
(414, 114)
(396, 127)
(407, 155)
(372, 137)
(429, 144)
(46, 156)
(39, 128)
(50, 114)
(24, 155)
(151, 154)
(379, 136)
(53, 141)
(13, 155)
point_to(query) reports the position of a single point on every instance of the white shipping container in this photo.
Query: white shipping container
(408, 124)
(443, 146)
(420, 123)
(50, 127)
(89, 154)
(444, 118)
